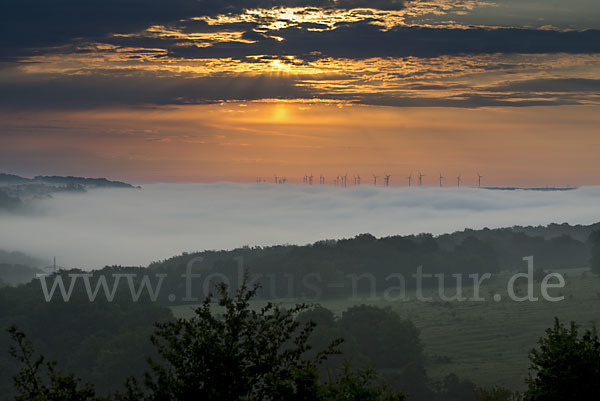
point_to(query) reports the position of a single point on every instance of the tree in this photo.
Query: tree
(497, 393)
(389, 341)
(361, 385)
(595, 259)
(452, 388)
(101, 342)
(33, 384)
(228, 351)
(566, 366)
(242, 354)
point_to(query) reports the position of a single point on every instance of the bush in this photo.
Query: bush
(566, 366)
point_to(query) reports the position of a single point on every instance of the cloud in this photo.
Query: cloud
(98, 90)
(28, 25)
(551, 85)
(19, 91)
(466, 100)
(136, 227)
(37, 23)
(37, 27)
(361, 40)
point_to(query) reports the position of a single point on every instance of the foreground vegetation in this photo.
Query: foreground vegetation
(487, 342)
(238, 353)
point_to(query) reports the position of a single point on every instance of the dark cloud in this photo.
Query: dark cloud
(365, 40)
(32, 26)
(551, 85)
(82, 92)
(28, 25)
(466, 100)
(53, 92)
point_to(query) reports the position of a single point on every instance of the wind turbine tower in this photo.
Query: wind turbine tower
(409, 179)
(441, 180)
(421, 179)
(387, 180)
(479, 177)
(458, 181)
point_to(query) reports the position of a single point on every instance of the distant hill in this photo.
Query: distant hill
(547, 189)
(12, 179)
(87, 182)
(15, 191)
(19, 258)
(17, 274)
(19, 268)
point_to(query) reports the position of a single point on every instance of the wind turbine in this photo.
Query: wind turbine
(387, 180)
(358, 179)
(458, 181)
(441, 178)
(479, 177)
(421, 179)
(375, 179)
(409, 179)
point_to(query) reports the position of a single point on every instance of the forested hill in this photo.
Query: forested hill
(466, 252)
(15, 191)
(68, 180)
(579, 232)
(18, 268)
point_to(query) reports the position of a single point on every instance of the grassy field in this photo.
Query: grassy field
(486, 342)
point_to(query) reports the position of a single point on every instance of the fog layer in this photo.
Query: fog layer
(135, 227)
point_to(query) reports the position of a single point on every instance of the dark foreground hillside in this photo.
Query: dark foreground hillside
(229, 351)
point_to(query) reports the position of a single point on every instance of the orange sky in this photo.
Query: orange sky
(532, 146)
(207, 91)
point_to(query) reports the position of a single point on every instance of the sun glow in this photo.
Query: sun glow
(281, 113)
(280, 66)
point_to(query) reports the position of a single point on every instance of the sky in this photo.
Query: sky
(135, 227)
(209, 91)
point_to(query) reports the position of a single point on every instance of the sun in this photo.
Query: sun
(280, 66)
(280, 113)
